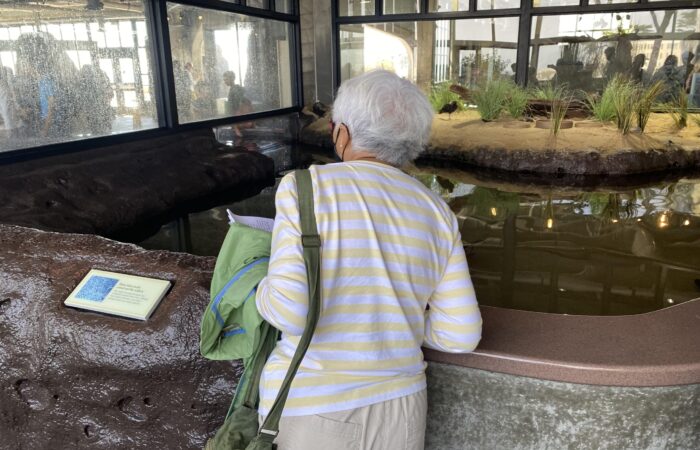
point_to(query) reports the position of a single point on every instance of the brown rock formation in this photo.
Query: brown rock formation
(127, 191)
(75, 379)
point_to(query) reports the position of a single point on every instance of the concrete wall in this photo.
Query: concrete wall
(475, 409)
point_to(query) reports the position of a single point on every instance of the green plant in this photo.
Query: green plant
(625, 99)
(440, 95)
(491, 98)
(516, 102)
(646, 99)
(603, 106)
(549, 92)
(560, 104)
(678, 109)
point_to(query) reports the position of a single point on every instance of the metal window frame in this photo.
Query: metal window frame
(155, 12)
(525, 13)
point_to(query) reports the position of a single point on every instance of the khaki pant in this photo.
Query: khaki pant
(397, 424)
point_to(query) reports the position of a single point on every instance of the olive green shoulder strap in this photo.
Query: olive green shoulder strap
(311, 243)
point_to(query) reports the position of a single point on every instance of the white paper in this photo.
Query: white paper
(261, 223)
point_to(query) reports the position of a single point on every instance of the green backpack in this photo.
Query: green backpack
(232, 328)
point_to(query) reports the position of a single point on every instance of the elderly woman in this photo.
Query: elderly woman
(394, 277)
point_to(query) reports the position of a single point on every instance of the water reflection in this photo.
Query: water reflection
(562, 251)
(548, 249)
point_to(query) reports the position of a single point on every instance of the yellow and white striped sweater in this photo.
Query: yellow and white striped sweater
(390, 247)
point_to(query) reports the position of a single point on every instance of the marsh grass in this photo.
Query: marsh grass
(516, 102)
(560, 104)
(625, 96)
(603, 106)
(549, 92)
(678, 109)
(491, 99)
(645, 101)
(440, 95)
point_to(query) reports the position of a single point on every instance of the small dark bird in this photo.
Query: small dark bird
(449, 108)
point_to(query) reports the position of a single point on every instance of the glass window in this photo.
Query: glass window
(497, 4)
(111, 31)
(607, 2)
(468, 51)
(81, 33)
(72, 76)
(585, 51)
(98, 34)
(545, 3)
(448, 5)
(126, 33)
(356, 7)
(271, 136)
(401, 6)
(263, 4)
(284, 6)
(227, 64)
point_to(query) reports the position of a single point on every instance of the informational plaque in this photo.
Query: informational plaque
(119, 294)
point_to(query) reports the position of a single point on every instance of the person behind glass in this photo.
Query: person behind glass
(49, 109)
(189, 70)
(687, 57)
(203, 105)
(183, 91)
(692, 82)
(671, 76)
(610, 65)
(236, 93)
(27, 98)
(636, 73)
(9, 113)
(245, 107)
(94, 97)
(394, 277)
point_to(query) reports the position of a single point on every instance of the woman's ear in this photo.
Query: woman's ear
(343, 136)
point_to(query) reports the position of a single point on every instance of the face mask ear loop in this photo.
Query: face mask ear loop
(335, 142)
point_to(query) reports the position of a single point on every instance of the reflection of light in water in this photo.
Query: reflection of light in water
(670, 301)
(494, 212)
(550, 223)
(663, 220)
(614, 221)
(695, 196)
(686, 222)
(461, 189)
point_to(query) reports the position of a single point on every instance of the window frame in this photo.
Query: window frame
(163, 89)
(525, 12)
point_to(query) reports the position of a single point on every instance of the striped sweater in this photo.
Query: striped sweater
(390, 248)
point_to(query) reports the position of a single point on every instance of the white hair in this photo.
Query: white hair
(385, 115)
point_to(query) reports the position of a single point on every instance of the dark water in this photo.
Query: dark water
(595, 251)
